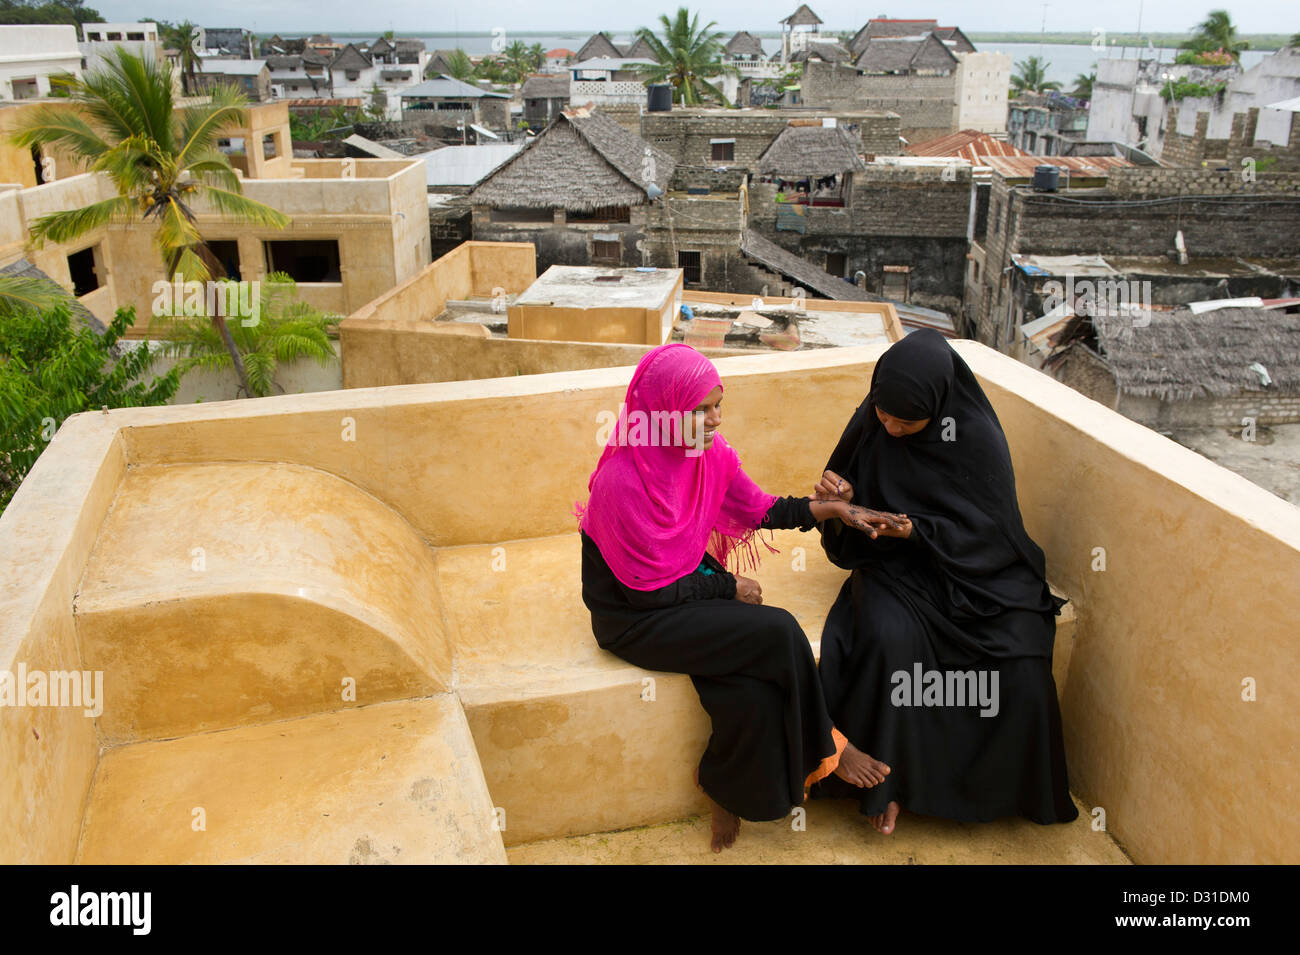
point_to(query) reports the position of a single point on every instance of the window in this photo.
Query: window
(81, 269)
(313, 260)
(40, 165)
(689, 263)
(722, 151)
(606, 251)
(135, 36)
(226, 252)
(268, 146)
(115, 36)
(836, 263)
(353, 75)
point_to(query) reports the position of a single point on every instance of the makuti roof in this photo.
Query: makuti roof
(810, 151)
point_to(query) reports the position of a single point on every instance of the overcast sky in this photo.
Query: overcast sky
(449, 16)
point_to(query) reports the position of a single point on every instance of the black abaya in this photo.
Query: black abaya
(751, 665)
(966, 592)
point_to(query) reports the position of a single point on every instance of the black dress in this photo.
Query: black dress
(964, 595)
(751, 665)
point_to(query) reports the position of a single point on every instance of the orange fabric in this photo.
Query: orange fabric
(829, 763)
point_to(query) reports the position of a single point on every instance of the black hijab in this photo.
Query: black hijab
(969, 559)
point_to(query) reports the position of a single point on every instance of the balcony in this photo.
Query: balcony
(235, 569)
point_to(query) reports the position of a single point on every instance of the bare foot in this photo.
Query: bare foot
(884, 823)
(858, 768)
(725, 827)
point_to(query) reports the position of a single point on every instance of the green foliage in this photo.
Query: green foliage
(1217, 33)
(50, 369)
(53, 12)
(1184, 88)
(459, 66)
(286, 329)
(1031, 77)
(1083, 83)
(687, 56)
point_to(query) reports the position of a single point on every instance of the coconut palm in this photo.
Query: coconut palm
(1216, 32)
(536, 56)
(1295, 40)
(184, 37)
(162, 160)
(18, 292)
(1031, 77)
(1083, 84)
(459, 66)
(686, 57)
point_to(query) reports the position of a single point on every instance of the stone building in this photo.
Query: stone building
(1168, 236)
(453, 103)
(579, 192)
(1244, 149)
(735, 138)
(545, 97)
(250, 77)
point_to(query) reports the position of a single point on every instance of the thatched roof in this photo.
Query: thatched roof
(350, 58)
(802, 17)
(582, 160)
(597, 46)
(640, 49)
(883, 26)
(286, 62)
(810, 151)
(830, 52)
(744, 43)
(905, 55)
(776, 259)
(1181, 355)
(546, 86)
(381, 46)
(962, 43)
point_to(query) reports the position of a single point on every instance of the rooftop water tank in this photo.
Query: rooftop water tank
(1046, 178)
(659, 98)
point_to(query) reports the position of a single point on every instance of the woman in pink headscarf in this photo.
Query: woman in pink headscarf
(669, 504)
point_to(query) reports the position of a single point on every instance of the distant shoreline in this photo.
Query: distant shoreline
(1262, 42)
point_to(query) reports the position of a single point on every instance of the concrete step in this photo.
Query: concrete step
(221, 595)
(835, 833)
(389, 783)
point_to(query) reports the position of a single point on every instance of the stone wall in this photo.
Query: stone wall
(926, 105)
(1228, 411)
(1197, 148)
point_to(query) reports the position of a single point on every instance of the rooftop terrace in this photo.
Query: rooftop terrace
(311, 630)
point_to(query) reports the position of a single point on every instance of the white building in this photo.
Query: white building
(100, 39)
(606, 80)
(31, 54)
(983, 80)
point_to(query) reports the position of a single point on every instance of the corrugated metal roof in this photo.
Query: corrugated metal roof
(967, 144)
(1022, 167)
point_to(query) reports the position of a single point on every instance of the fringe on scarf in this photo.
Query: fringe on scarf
(723, 546)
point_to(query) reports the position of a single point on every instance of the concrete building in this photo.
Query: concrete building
(452, 103)
(1128, 106)
(30, 55)
(607, 81)
(1046, 125)
(299, 75)
(969, 93)
(358, 226)
(98, 39)
(545, 97)
(250, 77)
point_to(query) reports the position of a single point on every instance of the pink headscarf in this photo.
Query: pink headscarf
(654, 509)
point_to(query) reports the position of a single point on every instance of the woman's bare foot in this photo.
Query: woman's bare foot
(884, 823)
(725, 825)
(858, 768)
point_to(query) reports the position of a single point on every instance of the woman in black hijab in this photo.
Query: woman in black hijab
(936, 658)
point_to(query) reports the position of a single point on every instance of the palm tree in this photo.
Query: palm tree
(185, 38)
(536, 56)
(1031, 77)
(1216, 32)
(459, 66)
(1295, 40)
(517, 61)
(18, 292)
(686, 57)
(287, 329)
(1083, 84)
(161, 159)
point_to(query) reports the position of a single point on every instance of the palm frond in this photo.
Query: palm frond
(71, 224)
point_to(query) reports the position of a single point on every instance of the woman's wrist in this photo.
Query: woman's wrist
(825, 510)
